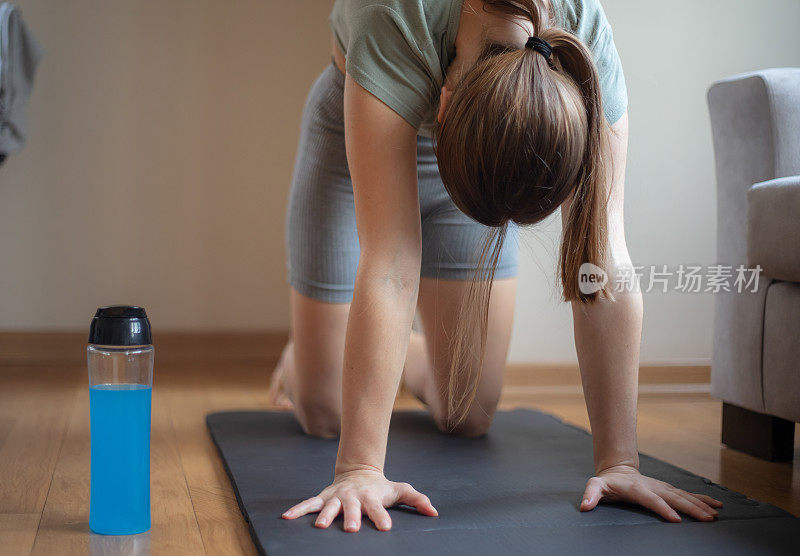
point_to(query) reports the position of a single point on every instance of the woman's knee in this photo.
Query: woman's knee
(319, 417)
(476, 423)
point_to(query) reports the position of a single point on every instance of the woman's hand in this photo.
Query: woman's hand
(357, 492)
(623, 483)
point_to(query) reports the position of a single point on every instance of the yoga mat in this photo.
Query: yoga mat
(516, 490)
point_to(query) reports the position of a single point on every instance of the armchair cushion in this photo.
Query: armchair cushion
(773, 228)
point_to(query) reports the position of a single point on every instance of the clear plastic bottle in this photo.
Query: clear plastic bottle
(120, 360)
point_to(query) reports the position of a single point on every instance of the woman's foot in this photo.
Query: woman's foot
(279, 394)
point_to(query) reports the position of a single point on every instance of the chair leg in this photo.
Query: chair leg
(764, 436)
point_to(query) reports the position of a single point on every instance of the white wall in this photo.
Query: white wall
(163, 137)
(671, 52)
(161, 148)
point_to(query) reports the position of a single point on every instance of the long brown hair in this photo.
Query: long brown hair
(520, 135)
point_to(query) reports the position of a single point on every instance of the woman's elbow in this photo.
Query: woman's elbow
(398, 273)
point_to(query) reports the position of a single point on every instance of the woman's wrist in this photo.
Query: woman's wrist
(614, 450)
(616, 461)
(344, 467)
(360, 451)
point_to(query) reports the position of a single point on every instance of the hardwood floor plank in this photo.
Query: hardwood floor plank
(222, 527)
(17, 532)
(64, 523)
(35, 404)
(175, 529)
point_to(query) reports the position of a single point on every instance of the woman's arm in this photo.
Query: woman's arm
(607, 337)
(381, 154)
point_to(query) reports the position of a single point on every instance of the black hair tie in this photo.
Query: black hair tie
(540, 45)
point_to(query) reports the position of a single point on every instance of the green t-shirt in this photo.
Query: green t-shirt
(399, 50)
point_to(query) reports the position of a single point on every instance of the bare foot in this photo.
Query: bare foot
(279, 395)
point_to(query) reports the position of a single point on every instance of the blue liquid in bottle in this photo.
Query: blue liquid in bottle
(120, 480)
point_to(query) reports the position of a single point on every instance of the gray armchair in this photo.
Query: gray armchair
(755, 120)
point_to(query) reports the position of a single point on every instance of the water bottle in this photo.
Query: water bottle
(120, 357)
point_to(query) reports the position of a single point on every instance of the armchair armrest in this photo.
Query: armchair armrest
(773, 228)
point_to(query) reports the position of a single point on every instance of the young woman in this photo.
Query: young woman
(527, 104)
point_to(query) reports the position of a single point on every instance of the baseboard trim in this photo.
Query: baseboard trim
(69, 348)
(262, 348)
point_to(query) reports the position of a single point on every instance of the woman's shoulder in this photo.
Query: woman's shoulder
(379, 18)
(389, 50)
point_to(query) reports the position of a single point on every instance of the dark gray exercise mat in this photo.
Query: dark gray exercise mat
(516, 490)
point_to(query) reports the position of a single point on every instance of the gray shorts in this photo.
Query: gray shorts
(321, 235)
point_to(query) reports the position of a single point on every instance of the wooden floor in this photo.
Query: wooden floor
(44, 444)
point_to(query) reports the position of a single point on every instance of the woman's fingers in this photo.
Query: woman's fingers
(653, 501)
(713, 502)
(592, 494)
(328, 513)
(697, 502)
(308, 506)
(357, 493)
(406, 494)
(378, 514)
(352, 514)
(687, 506)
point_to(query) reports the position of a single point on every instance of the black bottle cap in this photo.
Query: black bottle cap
(120, 325)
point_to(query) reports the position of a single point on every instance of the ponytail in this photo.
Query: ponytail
(585, 234)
